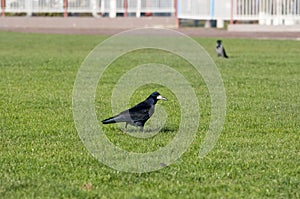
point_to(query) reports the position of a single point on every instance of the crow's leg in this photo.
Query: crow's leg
(125, 127)
(142, 129)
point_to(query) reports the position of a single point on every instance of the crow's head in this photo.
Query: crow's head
(219, 43)
(156, 96)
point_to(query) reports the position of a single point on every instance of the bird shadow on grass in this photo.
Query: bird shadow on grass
(169, 129)
(134, 130)
(166, 129)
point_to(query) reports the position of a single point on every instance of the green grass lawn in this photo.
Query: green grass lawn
(42, 156)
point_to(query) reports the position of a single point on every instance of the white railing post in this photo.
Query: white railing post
(102, 7)
(113, 9)
(28, 7)
(94, 8)
(138, 8)
(261, 14)
(220, 23)
(278, 13)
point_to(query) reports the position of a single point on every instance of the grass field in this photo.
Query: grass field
(42, 156)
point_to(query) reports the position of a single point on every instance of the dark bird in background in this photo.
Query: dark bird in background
(220, 50)
(139, 114)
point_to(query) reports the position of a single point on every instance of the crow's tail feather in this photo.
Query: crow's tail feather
(224, 52)
(109, 120)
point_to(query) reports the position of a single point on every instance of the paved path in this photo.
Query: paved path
(107, 26)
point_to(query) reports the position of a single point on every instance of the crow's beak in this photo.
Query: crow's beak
(161, 98)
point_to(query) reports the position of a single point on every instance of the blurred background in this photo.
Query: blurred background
(184, 13)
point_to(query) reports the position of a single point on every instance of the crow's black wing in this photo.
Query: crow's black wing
(136, 115)
(224, 53)
(141, 111)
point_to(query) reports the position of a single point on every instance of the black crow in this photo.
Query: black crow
(139, 114)
(220, 50)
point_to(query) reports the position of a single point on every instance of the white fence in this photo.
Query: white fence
(112, 7)
(265, 11)
(189, 9)
(269, 12)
